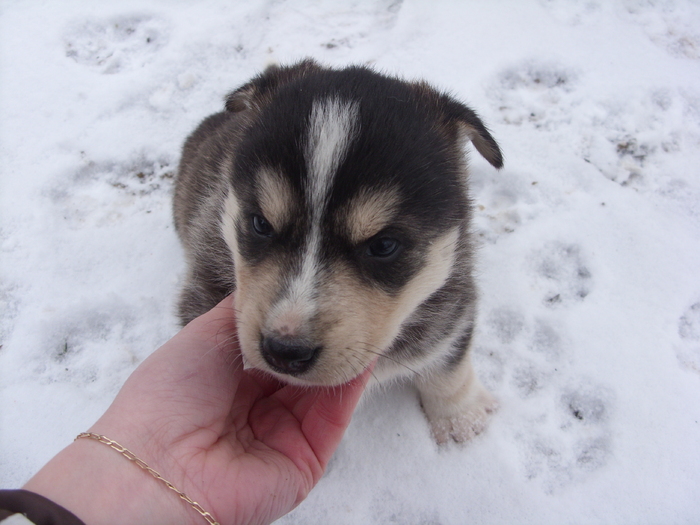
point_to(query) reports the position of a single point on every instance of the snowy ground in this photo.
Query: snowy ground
(589, 265)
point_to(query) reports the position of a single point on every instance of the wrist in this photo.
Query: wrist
(100, 486)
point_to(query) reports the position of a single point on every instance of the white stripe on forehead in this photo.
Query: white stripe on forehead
(332, 126)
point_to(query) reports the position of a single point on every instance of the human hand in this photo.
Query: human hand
(240, 443)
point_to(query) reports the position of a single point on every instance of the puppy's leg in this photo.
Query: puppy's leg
(456, 403)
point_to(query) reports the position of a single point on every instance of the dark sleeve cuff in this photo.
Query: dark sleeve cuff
(38, 509)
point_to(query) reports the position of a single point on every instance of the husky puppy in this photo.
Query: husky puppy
(335, 203)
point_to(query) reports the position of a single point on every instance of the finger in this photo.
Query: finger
(329, 416)
(268, 383)
(300, 399)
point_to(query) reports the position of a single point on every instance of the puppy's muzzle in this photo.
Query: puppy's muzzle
(289, 356)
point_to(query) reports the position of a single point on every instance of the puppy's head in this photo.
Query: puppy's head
(347, 209)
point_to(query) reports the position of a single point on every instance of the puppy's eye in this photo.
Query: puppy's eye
(261, 226)
(383, 247)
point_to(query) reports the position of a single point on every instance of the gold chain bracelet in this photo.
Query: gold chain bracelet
(134, 459)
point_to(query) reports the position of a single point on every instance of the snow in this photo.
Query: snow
(589, 263)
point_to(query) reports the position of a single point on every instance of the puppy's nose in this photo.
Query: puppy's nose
(289, 356)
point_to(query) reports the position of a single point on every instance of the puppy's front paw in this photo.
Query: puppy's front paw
(460, 420)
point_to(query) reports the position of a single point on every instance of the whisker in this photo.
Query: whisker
(368, 348)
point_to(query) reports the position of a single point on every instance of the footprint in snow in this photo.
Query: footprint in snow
(534, 92)
(688, 351)
(563, 431)
(9, 306)
(506, 324)
(563, 272)
(565, 444)
(116, 44)
(103, 192)
(356, 23)
(529, 353)
(672, 27)
(502, 204)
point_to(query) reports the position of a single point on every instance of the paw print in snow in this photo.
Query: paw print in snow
(503, 204)
(562, 269)
(529, 380)
(632, 140)
(535, 92)
(563, 431)
(546, 342)
(572, 440)
(9, 304)
(103, 193)
(541, 361)
(689, 324)
(113, 45)
(506, 323)
(688, 351)
(346, 27)
(672, 26)
(585, 405)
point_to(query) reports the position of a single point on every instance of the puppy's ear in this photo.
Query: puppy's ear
(258, 91)
(241, 99)
(473, 128)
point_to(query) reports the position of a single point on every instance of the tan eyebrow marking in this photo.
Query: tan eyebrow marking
(275, 196)
(370, 212)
